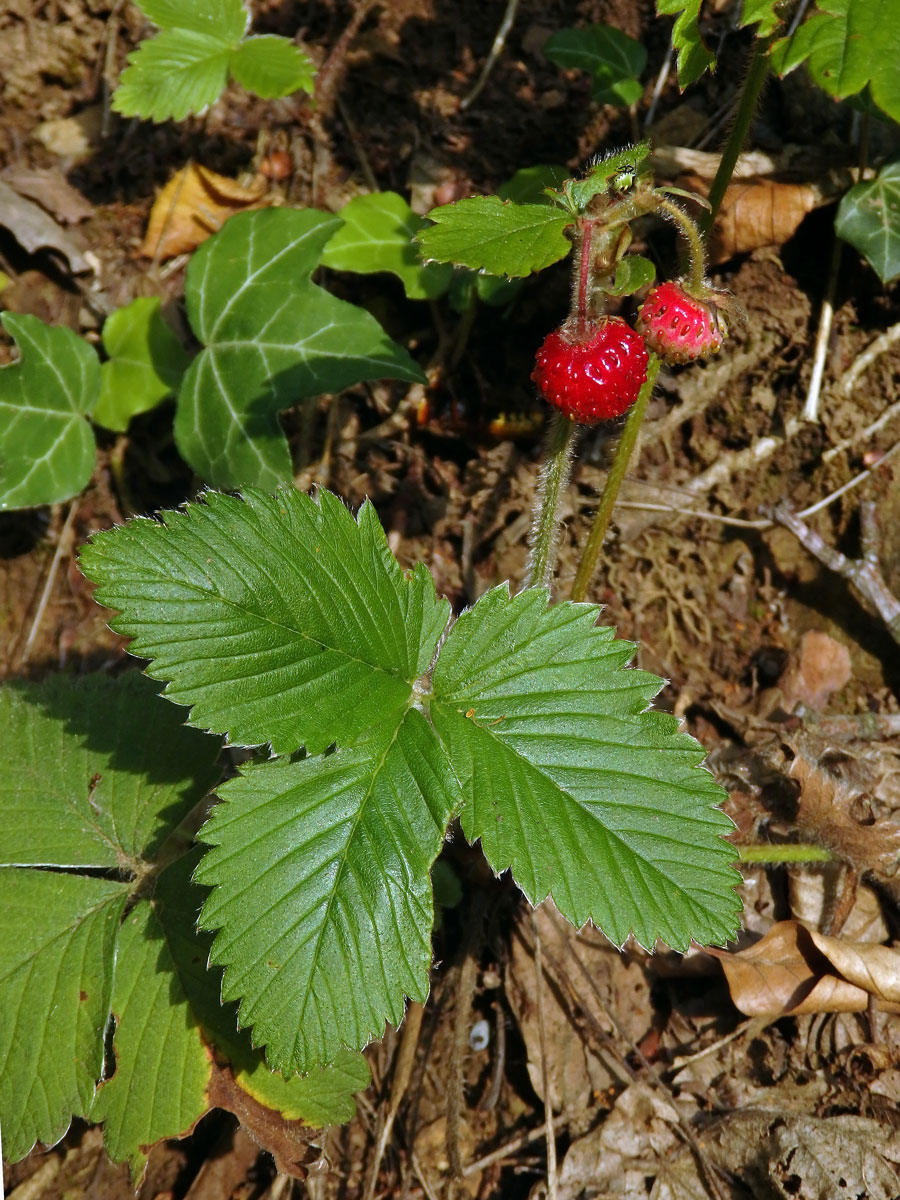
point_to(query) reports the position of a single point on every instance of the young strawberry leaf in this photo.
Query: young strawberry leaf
(271, 338)
(839, 42)
(868, 217)
(377, 235)
(185, 67)
(163, 1068)
(146, 363)
(46, 446)
(693, 56)
(326, 925)
(572, 783)
(502, 238)
(612, 59)
(56, 971)
(271, 66)
(278, 619)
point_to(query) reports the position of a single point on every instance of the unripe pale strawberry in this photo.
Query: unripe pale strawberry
(679, 327)
(591, 371)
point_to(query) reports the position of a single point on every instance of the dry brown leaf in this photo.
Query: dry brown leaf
(759, 212)
(821, 668)
(783, 974)
(792, 971)
(49, 188)
(195, 204)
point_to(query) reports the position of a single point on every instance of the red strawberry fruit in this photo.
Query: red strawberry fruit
(591, 372)
(680, 327)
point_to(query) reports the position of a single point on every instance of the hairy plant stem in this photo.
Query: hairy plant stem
(624, 451)
(743, 116)
(554, 476)
(787, 852)
(584, 273)
(691, 234)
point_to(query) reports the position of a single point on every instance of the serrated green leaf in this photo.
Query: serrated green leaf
(228, 19)
(766, 14)
(272, 337)
(848, 44)
(868, 217)
(83, 782)
(46, 445)
(327, 925)
(634, 271)
(56, 968)
(571, 783)
(529, 184)
(693, 56)
(146, 363)
(502, 238)
(323, 1097)
(612, 59)
(176, 73)
(377, 235)
(271, 66)
(163, 1067)
(278, 619)
(627, 162)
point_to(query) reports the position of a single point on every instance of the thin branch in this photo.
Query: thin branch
(490, 62)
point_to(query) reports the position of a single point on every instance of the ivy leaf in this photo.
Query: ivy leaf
(571, 783)
(848, 44)
(271, 66)
(868, 217)
(46, 445)
(163, 1067)
(278, 618)
(612, 59)
(693, 56)
(86, 785)
(327, 924)
(272, 337)
(56, 970)
(377, 235)
(502, 238)
(146, 363)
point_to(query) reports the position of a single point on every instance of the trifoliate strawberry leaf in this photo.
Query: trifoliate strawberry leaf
(162, 1065)
(377, 235)
(502, 238)
(185, 67)
(868, 217)
(324, 1097)
(84, 783)
(146, 363)
(612, 59)
(278, 619)
(228, 19)
(693, 56)
(46, 446)
(56, 972)
(176, 73)
(326, 925)
(848, 44)
(571, 783)
(271, 66)
(271, 338)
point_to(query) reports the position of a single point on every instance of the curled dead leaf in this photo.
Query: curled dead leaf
(821, 668)
(792, 971)
(756, 213)
(195, 204)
